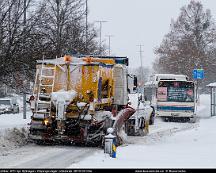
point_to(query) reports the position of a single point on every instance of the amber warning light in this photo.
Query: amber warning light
(67, 58)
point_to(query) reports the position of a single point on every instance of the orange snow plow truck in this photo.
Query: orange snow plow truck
(76, 99)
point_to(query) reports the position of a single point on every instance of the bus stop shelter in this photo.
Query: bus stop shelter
(212, 87)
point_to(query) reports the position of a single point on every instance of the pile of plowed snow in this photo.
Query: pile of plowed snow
(13, 131)
(12, 138)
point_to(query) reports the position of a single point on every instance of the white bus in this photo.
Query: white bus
(172, 96)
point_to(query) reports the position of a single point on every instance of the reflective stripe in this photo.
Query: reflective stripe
(166, 108)
(113, 148)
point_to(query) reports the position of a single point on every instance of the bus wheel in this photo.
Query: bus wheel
(184, 120)
(165, 119)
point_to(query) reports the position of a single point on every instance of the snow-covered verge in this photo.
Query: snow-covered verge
(168, 145)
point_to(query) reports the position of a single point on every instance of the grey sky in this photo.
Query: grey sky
(134, 22)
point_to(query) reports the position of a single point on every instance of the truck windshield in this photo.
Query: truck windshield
(175, 91)
(4, 102)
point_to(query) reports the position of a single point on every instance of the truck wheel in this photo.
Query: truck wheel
(142, 132)
(152, 118)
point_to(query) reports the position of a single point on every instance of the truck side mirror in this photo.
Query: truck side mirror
(129, 91)
(134, 89)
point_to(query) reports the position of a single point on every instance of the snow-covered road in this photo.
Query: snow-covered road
(35, 156)
(160, 130)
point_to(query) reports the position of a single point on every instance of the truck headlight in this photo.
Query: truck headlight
(46, 122)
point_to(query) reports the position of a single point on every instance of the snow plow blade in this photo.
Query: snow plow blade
(121, 118)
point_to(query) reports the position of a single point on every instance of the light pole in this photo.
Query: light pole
(100, 21)
(24, 13)
(86, 25)
(109, 36)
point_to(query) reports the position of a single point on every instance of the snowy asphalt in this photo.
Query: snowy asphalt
(34, 156)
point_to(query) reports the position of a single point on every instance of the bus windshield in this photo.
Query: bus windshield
(175, 91)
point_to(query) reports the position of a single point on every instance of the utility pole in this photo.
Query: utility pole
(141, 61)
(100, 21)
(86, 44)
(109, 36)
(24, 13)
(24, 83)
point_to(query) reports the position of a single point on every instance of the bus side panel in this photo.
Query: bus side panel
(175, 109)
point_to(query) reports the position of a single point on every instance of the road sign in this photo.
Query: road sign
(198, 73)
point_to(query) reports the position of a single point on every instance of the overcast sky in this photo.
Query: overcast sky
(134, 22)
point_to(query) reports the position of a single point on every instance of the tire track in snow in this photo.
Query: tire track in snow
(159, 131)
(34, 156)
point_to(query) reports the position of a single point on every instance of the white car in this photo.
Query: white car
(8, 105)
(143, 117)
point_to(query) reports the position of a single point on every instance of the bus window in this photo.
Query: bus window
(175, 91)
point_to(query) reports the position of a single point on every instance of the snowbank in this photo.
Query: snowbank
(13, 131)
(11, 139)
(203, 109)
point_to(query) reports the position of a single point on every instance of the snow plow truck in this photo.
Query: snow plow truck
(76, 99)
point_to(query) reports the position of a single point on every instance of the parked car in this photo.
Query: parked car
(8, 105)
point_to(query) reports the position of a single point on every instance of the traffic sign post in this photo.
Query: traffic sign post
(197, 74)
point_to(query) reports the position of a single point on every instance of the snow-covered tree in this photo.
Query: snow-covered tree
(191, 43)
(30, 29)
(64, 29)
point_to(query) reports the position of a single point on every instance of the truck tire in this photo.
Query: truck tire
(152, 118)
(17, 110)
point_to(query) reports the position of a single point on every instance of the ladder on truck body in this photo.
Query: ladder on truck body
(44, 98)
